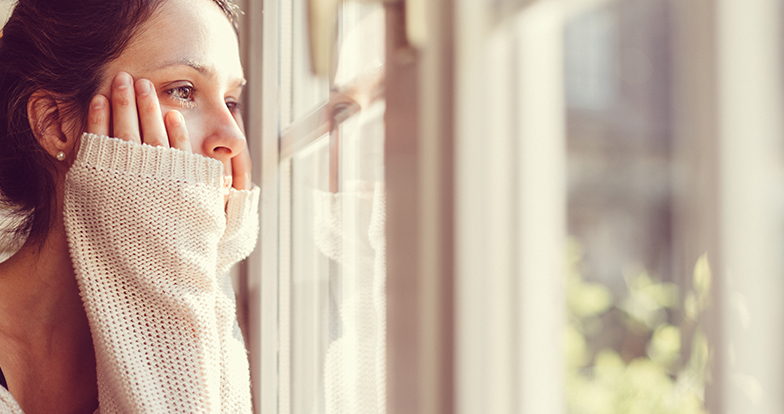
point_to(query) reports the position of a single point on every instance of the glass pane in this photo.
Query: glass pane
(307, 91)
(361, 39)
(311, 307)
(338, 261)
(635, 300)
(338, 303)
(356, 360)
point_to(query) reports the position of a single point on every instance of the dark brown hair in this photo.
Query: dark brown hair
(61, 47)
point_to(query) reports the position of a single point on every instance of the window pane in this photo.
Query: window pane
(311, 307)
(361, 40)
(356, 360)
(634, 307)
(307, 91)
(337, 299)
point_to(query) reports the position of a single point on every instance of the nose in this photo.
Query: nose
(225, 138)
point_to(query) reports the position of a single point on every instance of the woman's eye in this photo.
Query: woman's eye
(234, 107)
(182, 94)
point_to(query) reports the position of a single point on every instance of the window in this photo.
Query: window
(633, 134)
(328, 209)
(571, 188)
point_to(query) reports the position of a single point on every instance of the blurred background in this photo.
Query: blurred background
(515, 206)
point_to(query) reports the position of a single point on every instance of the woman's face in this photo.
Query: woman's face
(189, 51)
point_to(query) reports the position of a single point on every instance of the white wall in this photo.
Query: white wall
(5, 10)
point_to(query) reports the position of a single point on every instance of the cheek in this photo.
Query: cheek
(193, 123)
(196, 132)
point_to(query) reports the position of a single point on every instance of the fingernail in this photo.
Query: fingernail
(227, 182)
(143, 87)
(97, 103)
(122, 80)
(177, 119)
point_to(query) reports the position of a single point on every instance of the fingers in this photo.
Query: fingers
(241, 170)
(124, 116)
(135, 115)
(98, 116)
(178, 134)
(153, 129)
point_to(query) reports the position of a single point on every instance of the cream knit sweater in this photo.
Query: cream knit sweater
(151, 243)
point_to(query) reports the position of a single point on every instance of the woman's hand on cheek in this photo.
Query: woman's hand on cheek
(135, 115)
(241, 170)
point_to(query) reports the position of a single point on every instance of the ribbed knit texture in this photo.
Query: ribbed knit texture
(151, 242)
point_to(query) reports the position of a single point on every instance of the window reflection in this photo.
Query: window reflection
(338, 254)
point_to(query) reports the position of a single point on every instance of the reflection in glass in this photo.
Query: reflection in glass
(311, 308)
(352, 233)
(308, 91)
(338, 306)
(337, 358)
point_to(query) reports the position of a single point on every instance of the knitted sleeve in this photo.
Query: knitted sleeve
(8, 404)
(150, 242)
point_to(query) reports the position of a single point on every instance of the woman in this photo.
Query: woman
(116, 300)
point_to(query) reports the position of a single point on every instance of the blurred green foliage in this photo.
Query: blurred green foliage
(624, 356)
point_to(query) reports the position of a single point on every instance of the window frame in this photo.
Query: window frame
(260, 49)
(431, 286)
(266, 273)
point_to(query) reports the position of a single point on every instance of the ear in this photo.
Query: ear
(43, 113)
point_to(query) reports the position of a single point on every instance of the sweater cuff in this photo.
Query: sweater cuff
(113, 154)
(241, 204)
(242, 227)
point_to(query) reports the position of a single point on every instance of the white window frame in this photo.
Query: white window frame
(438, 295)
(259, 39)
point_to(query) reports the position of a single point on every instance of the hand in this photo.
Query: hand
(135, 115)
(125, 118)
(241, 171)
(241, 164)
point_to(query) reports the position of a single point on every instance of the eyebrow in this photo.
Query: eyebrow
(205, 70)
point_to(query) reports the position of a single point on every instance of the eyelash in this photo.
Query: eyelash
(185, 102)
(234, 107)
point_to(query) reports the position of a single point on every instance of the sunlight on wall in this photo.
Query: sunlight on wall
(5, 251)
(5, 11)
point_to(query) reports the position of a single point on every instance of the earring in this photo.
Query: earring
(60, 156)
